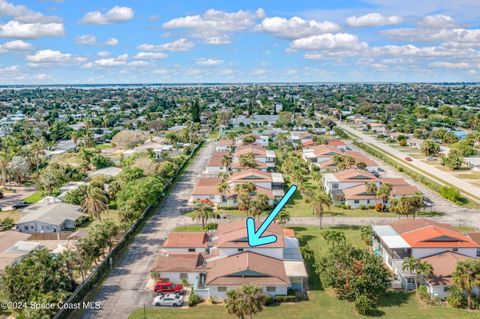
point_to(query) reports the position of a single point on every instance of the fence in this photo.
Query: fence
(100, 271)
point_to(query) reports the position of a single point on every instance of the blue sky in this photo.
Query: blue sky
(145, 41)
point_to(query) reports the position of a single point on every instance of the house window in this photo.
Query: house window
(240, 249)
(368, 201)
(26, 227)
(183, 275)
(478, 252)
(222, 289)
(454, 249)
(191, 250)
(335, 186)
(356, 201)
(271, 289)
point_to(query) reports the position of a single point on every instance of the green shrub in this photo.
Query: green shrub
(456, 298)
(423, 295)
(285, 298)
(211, 226)
(268, 300)
(363, 305)
(194, 299)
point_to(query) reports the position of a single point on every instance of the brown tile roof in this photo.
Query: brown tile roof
(259, 189)
(406, 225)
(225, 142)
(255, 149)
(228, 271)
(178, 262)
(354, 175)
(325, 150)
(250, 175)
(186, 240)
(475, 237)
(359, 157)
(395, 181)
(234, 235)
(288, 232)
(327, 164)
(206, 186)
(216, 159)
(9, 238)
(336, 142)
(443, 267)
(357, 192)
(404, 190)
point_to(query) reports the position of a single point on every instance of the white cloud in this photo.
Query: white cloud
(52, 57)
(454, 37)
(296, 27)
(86, 39)
(115, 15)
(224, 39)
(450, 65)
(138, 63)
(213, 24)
(104, 54)
(209, 61)
(437, 22)
(16, 29)
(111, 42)
(40, 77)
(329, 41)
(150, 55)
(23, 14)
(16, 45)
(160, 72)
(108, 62)
(372, 20)
(178, 45)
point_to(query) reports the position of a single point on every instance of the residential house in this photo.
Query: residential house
(426, 240)
(261, 154)
(229, 261)
(48, 218)
(335, 182)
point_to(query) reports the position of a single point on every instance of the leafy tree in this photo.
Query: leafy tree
(6, 223)
(343, 162)
(318, 200)
(454, 159)
(430, 148)
(366, 233)
(283, 217)
(259, 203)
(247, 160)
(76, 196)
(100, 161)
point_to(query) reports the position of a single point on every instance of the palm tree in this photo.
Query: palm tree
(95, 202)
(384, 191)
(202, 212)
(223, 188)
(372, 189)
(317, 178)
(245, 301)
(226, 161)
(466, 277)
(283, 217)
(318, 200)
(424, 270)
(410, 265)
(258, 205)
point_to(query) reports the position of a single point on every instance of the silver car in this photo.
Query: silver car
(172, 300)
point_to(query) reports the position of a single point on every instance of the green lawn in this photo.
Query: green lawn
(35, 197)
(322, 303)
(103, 146)
(110, 214)
(189, 228)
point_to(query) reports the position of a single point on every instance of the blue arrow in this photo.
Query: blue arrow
(254, 237)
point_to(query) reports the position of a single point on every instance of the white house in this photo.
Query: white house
(48, 218)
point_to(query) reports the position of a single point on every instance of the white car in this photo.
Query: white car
(172, 300)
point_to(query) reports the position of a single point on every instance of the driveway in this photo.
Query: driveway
(11, 198)
(125, 288)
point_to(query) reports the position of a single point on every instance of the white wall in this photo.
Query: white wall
(174, 277)
(223, 295)
(215, 169)
(425, 252)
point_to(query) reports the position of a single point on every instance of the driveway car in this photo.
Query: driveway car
(166, 287)
(408, 158)
(168, 300)
(20, 204)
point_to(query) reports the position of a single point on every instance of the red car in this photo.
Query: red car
(408, 158)
(166, 287)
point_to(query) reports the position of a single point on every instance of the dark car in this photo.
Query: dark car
(20, 204)
(166, 287)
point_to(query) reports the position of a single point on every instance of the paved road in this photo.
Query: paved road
(439, 174)
(124, 289)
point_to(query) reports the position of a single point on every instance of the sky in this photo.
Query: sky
(151, 41)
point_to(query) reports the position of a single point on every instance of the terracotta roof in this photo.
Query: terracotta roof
(437, 237)
(225, 142)
(216, 159)
(288, 232)
(186, 240)
(255, 149)
(359, 157)
(261, 190)
(406, 225)
(354, 175)
(325, 150)
(206, 186)
(336, 142)
(308, 142)
(475, 237)
(443, 267)
(327, 164)
(395, 181)
(229, 271)
(234, 235)
(357, 192)
(250, 175)
(404, 190)
(178, 262)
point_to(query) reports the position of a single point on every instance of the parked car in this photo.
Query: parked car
(171, 300)
(408, 158)
(20, 204)
(166, 287)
